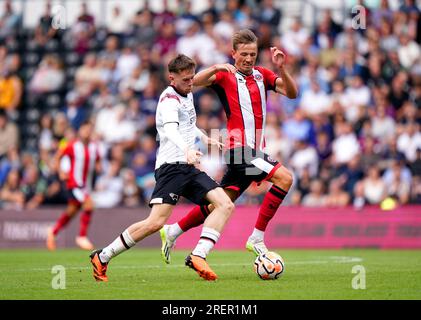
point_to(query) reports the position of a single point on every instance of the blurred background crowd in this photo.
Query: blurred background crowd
(352, 137)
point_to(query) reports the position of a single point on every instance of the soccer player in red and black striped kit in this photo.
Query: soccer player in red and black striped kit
(242, 90)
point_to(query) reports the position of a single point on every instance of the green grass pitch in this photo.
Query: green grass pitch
(141, 274)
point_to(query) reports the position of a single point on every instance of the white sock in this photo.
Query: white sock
(208, 238)
(121, 243)
(257, 235)
(174, 231)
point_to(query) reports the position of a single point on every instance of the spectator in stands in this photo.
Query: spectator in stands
(225, 27)
(398, 175)
(372, 188)
(118, 24)
(415, 165)
(409, 51)
(166, 14)
(305, 156)
(87, 19)
(49, 75)
(10, 21)
(298, 127)
(323, 147)
(11, 90)
(108, 192)
(336, 196)
(88, 77)
(166, 39)
(409, 141)
(33, 187)
(74, 109)
(132, 194)
(302, 186)
(383, 125)
(9, 134)
(315, 100)
(358, 96)
(119, 130)
(370, 153)
(46, 138)
(294, 39)
(345, 146)
(11, 197)
(127, 61)
(8, 162)
(316, 197)
(270, 14)
(143, 163)
(45, 31)
(399, 90)
(111, 50)
(142, 28)
(351, 174)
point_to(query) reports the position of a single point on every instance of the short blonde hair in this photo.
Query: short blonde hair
(244, 36)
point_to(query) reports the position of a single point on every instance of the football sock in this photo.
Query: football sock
(85, 220)
(257, 234)
(174, 231)
(194, 218)
(270, 205)
(61, 223)
(208, 238)
(121, 243)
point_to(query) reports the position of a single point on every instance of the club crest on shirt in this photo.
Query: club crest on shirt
(174, 197)
(258, 77)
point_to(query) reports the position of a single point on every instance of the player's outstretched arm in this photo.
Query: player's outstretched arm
(171, 131)
(206, 77)
(285, 85)
(208, 140)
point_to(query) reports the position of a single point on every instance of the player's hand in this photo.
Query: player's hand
(278, 57)
(226, 67)
(213, 142)
(193, 156)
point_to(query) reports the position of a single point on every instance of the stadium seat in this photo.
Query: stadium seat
(31, 59)
(33, 115)
(72, 59)
(53, 101)
(52, 46)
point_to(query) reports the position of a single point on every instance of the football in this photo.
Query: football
(269, 266)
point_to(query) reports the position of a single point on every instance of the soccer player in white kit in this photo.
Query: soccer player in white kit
(176, 176)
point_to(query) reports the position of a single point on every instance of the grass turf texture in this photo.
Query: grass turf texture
(141, 274)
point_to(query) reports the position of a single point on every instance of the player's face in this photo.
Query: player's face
(245, 57)
(85, 132)
(183, 81)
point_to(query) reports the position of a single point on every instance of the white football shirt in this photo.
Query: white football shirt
(173, 107)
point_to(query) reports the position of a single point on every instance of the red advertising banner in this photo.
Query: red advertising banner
(299, 227)
(292, 227)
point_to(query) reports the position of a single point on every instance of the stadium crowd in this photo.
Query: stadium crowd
(352, 137)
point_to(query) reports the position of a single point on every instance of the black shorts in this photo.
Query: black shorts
(181, 179)
(246, 165)
(76, 196)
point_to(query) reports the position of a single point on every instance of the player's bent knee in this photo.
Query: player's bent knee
(226, 205)
(283, 178)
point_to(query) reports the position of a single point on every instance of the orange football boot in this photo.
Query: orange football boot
(202, 268)
(100, 268)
